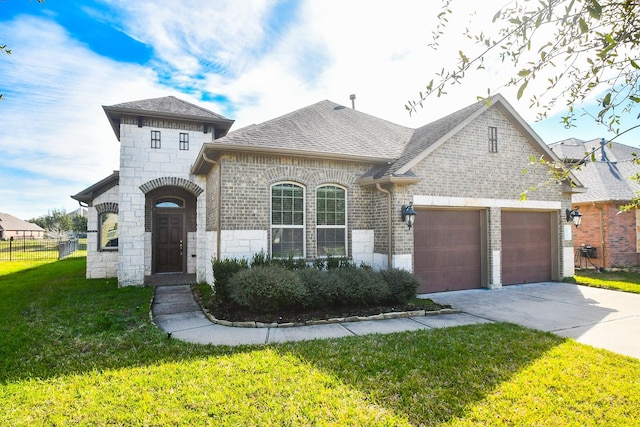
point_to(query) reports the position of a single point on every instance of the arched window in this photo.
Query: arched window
(287, 221)
(108, 231)
(331, 221)
(169, 202)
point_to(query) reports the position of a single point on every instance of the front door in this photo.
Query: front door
(169, 247)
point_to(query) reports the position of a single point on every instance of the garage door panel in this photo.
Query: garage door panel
(526, 247)
(447, 251)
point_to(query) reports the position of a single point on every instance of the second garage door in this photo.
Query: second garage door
(448, 249)
(526, 247)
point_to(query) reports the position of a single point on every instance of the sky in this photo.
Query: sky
(249, 60)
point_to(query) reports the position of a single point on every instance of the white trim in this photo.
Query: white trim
(420, 200)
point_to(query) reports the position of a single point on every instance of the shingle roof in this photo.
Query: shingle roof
(608, 178)
(88, 194)
(325, 127)
(11, 223)
(170, 105)
(165, 107)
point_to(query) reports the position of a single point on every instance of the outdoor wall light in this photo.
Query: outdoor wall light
(574, 216)
(408, 215)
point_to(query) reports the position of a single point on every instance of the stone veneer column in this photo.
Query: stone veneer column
(495, 247)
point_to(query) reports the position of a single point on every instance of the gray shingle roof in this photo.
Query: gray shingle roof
(169, 105)
(325, 127)
(88, 194)
(11, 223)
(608, 178)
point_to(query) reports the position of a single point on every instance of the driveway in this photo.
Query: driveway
(597, 317)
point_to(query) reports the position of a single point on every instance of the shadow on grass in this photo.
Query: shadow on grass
(431, 376)
(56, 323)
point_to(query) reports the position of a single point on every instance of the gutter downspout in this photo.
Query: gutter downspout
(389, 234)
(601, 209)
(219, 203)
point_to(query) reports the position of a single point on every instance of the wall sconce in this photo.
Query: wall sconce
(408, 215)
(574, 216)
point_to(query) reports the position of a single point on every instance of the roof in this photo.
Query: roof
(88, 194)
(168, 107)
(332, 131)
(11, 223)
(607, 174)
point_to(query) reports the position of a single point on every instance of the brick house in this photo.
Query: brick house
(607, 238)
(328, 180)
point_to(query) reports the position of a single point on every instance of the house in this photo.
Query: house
(328, 180)
(12, 227)
(607, 238)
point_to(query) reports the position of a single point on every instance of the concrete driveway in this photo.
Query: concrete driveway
(598, 317)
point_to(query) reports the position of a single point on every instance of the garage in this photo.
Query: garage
(526, 247)
(448, 251)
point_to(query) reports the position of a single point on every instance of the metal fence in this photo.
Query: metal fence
(35, 250)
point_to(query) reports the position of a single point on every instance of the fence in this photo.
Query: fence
(36, 250)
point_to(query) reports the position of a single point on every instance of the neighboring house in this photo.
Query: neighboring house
(10, 226)
(613, 236)
(328, 180)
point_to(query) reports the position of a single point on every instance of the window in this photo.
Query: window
(493, 139)
(184, 141)
(287, 221)
(169, 202)
(331, 220)
(108, 238)
(155, 139)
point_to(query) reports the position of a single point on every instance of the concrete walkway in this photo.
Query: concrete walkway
(598, 317)
(176, 312)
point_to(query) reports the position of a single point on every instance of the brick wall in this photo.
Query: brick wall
(463, 173)
(611, 232)
(245, 197)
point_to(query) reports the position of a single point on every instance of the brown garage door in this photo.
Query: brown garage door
(447, 252)
(526, 247)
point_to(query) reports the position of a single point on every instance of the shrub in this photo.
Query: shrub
(223, 271)
(403, 286)
(359, 287)
(268, 289)
(322, 290)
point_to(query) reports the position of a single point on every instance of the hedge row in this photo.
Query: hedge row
(269, 286)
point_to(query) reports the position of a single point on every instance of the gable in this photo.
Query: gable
(463, 166)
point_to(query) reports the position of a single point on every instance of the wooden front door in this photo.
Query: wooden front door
(170, 244)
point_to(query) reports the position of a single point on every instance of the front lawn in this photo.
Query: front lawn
(76, 351)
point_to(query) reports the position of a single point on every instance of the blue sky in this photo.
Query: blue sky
(249, 60)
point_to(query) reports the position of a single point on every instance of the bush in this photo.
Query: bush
(223, 271)
(322, 290)
(267, 289)
(403, 286)
(359, 287)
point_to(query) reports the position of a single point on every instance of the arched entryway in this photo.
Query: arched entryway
(170, 216)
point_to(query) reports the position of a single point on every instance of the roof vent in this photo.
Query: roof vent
(352, 97)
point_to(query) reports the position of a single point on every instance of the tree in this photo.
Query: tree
(56, 223)
(79, 224)
(583, 48)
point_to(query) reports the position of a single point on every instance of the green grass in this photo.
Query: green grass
(82, 352)
(619, 280)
